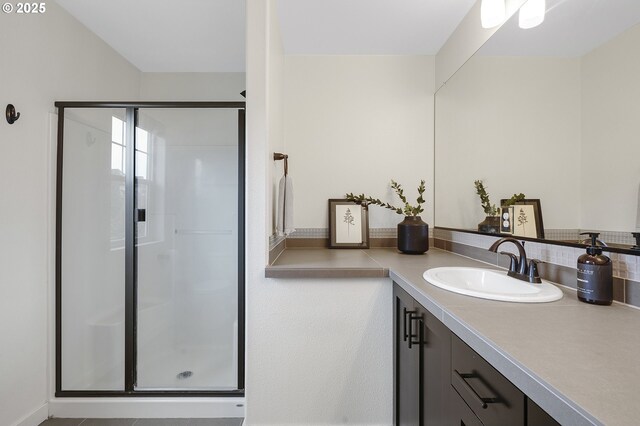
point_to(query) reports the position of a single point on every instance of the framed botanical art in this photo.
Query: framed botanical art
(348, 224)
(526, 219)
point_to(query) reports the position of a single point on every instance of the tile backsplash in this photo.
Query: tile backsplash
(560, 260)
(626, 267)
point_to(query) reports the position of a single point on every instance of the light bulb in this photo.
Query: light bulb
(531, 14)
(492, 13)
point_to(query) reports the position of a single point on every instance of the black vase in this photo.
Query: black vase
(490, 225)
(413, 235)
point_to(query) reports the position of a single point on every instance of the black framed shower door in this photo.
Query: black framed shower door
(141, 154)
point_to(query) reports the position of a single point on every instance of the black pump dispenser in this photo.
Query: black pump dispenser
(593, 249)
(595, 274)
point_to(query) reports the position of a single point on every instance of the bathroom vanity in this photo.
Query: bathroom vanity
(561, 362)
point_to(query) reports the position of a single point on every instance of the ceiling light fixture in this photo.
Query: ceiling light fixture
(492, 13)
(531, 14)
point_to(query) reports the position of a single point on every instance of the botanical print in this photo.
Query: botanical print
(348, 219)
(524, 221)
(348, 223)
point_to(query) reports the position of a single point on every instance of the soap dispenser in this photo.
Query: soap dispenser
(595, 274)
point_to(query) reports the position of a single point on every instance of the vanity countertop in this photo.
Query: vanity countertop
(579, 362)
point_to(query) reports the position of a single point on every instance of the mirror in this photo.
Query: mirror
(552, 112)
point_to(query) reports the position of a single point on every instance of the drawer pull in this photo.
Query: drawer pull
(412, 317)
(483, 401)
(405, 323)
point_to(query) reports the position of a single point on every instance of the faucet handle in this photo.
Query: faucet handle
(513, 266)
(533, 271)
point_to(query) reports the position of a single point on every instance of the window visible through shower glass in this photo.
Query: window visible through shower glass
(187, 282)
(93, 255)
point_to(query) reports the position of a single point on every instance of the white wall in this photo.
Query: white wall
(353, 123)
(318, 350)
(492, 104)
(44, 58)
(275, 120)
(610, 173)
(195, 86)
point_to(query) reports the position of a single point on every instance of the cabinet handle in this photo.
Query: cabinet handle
(404, 322)
(412, 317)
(483, 401)
(407, 313)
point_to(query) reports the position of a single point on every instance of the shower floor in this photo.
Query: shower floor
(143, 422)
(195, 367)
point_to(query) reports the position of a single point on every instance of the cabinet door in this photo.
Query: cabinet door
(493, 398)
(436, 364)
(461, 414)
(536, 416)
(406, 361)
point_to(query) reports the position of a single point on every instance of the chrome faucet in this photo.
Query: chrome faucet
(518, 268)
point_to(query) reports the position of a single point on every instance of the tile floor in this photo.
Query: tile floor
(143, 422)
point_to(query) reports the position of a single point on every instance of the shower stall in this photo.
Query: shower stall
(150, 249)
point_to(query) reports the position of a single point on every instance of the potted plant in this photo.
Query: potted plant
(491, 223)
(413, 232)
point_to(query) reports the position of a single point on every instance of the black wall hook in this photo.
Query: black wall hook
(11, 114)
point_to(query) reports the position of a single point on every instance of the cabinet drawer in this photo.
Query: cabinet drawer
(493, 398)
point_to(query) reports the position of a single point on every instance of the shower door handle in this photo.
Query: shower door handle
(142, 215)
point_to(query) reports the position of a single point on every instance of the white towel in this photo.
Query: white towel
(284, 224)
(638, 213)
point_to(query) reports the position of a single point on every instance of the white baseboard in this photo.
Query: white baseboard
(35, 418)
(146, 408)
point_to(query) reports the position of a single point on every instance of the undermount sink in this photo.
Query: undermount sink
(491, 284)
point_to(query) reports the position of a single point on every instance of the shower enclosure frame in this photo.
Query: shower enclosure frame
(131, 109)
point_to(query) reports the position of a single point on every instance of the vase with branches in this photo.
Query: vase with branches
(413, 232)
(491, 223)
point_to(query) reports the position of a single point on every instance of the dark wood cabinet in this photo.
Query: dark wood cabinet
(422, 357)
(536, 416)
(439, 380)
(493, 398)
(435, 363)
(407, 361)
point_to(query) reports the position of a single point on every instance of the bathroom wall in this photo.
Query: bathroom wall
(275, 119)
(486, 106)
(353, 123)
(45, 58)
(314, 354)
(610, 111)
(192, 86)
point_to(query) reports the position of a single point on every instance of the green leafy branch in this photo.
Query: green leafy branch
(514, 199)
(492, 209)
(407, 210)
(489, 209)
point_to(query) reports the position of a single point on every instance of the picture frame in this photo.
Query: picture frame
(527, 218)
(348, 224)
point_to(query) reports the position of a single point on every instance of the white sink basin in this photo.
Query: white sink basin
(491, 284)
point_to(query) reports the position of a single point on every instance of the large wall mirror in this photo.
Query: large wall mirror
(552, 112)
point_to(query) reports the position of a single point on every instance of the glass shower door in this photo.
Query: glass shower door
(187, 189)
(92, 250)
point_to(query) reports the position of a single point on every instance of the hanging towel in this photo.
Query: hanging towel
(638, 213)
(284, 225)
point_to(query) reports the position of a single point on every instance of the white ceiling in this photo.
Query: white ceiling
(169, 36)
(209, 35)
(371, 27)
(571, 28)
